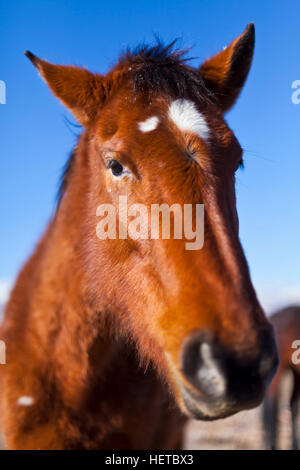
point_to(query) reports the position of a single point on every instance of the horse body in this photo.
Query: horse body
(111, 343)
(88, 390)
(287, 329)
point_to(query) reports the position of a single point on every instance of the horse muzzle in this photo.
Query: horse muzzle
(218, 382)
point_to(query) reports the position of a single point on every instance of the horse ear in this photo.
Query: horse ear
(225, 73)
(78, 89)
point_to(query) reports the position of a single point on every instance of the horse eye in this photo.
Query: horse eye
(240, 165)
(116, 167)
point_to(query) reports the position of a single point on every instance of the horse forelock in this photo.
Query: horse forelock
(160, 70)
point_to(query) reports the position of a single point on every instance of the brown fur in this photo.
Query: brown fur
(94, 329)
(287, 329)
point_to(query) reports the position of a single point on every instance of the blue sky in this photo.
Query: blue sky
(35, 139)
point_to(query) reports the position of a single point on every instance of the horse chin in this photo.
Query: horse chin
(204, 409)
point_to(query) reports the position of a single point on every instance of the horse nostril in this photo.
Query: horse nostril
(202, 368)
(209, 373)
(269, 361)
(265, 367)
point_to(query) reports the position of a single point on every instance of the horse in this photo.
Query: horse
(287, 330)
(112, 343)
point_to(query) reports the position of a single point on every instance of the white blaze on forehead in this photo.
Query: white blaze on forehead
(187, 118)
(25, 401)
(149, 125)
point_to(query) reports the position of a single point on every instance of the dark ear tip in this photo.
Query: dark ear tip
(250, 29)
(34, 59)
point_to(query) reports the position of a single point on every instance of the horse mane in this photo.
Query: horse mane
(164, 69)
(152, 70)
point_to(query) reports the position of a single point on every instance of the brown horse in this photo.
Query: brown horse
(287, 330)
(111, 343)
